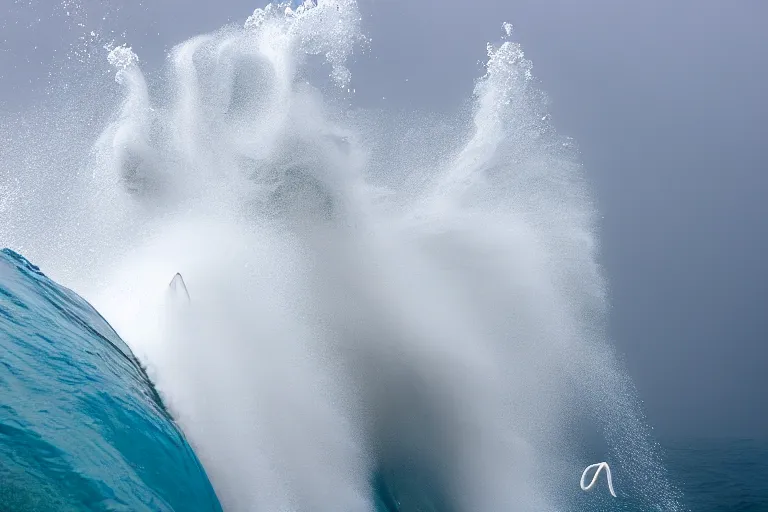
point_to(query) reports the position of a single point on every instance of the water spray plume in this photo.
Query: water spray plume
(350, 311)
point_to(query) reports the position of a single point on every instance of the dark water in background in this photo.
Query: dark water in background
(719, 475)
(82, 428)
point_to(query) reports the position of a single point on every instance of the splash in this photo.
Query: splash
(367, 294)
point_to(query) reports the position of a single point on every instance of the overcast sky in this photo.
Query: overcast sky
(667, 100)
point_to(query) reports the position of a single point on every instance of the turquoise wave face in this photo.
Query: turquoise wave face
(81, 426)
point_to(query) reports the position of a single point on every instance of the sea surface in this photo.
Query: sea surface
(720, 475)
(81, 426)
(83, 429)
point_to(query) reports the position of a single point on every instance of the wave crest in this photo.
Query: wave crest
(362, 299)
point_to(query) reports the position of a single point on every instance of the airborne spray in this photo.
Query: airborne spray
(351, 311)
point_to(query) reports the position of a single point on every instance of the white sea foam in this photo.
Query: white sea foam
(357, 299)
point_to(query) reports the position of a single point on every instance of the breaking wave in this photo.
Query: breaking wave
(375, 295)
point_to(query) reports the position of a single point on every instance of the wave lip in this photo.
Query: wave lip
(81, 426)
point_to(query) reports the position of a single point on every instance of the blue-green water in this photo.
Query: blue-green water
(82, 428)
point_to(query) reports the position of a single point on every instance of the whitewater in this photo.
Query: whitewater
(372, 292)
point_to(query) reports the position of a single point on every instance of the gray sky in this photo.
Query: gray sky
(667, 102)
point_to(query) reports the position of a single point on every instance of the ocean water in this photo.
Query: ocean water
(719, 475)
(388, 310)
(81, 426)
